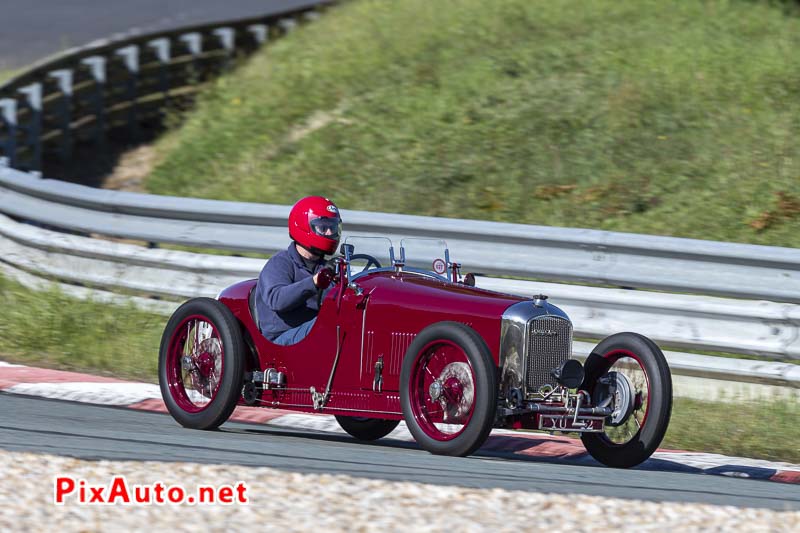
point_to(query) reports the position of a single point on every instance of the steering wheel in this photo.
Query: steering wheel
(370, 260)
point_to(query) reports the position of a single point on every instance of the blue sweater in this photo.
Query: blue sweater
(286, 296)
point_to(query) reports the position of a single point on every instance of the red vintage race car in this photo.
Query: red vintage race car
(406, 337)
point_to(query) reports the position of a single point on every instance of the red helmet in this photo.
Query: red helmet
(315, 224)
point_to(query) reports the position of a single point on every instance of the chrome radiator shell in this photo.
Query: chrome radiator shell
(533, 340)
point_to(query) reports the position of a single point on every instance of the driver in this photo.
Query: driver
(288, 288)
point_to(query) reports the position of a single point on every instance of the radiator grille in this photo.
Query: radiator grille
(549, 345)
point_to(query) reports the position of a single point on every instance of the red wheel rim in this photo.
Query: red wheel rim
(630, 364)
(442, 390)
(195, 359)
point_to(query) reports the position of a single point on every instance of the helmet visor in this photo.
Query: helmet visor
(330, 228)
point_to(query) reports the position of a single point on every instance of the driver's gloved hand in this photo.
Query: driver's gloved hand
(323, 278)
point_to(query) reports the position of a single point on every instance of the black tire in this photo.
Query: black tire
(228, 391)
(484, 378)
(652, 362)
(366, 428)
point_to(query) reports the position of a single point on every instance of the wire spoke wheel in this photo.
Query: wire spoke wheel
(200, 364)
(631, 403)
(443, 390)
(194, 363)
(449, 389)
(628, 373)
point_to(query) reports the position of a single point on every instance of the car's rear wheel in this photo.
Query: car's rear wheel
(200, 364)
(448, 389)
(630, 373)
(367, 428)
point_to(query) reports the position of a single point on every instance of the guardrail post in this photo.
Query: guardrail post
(130, 56)
(8, 114)
(97, 65)
(260, 33)
(287, 24)
(162, 50)
(226, 38)
(64, 78)
(194, 43)
(33, 98)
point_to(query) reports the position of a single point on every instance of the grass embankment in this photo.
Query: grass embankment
(50, 329)
(53, 330)
(664, 117)
(766, 430)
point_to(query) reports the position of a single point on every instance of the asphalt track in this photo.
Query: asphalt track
(33, 29)
(95, 432)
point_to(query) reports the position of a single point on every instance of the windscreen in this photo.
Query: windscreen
(369, 253)
(425, 254)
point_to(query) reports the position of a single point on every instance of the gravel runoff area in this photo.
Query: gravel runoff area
(301, 502)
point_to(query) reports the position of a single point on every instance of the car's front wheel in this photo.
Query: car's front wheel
(200, 364)
(630, 373)
(448, 389)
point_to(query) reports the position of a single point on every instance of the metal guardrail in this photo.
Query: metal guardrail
(765, 329)
(103, 269)
(549, 253)
(83, 94)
